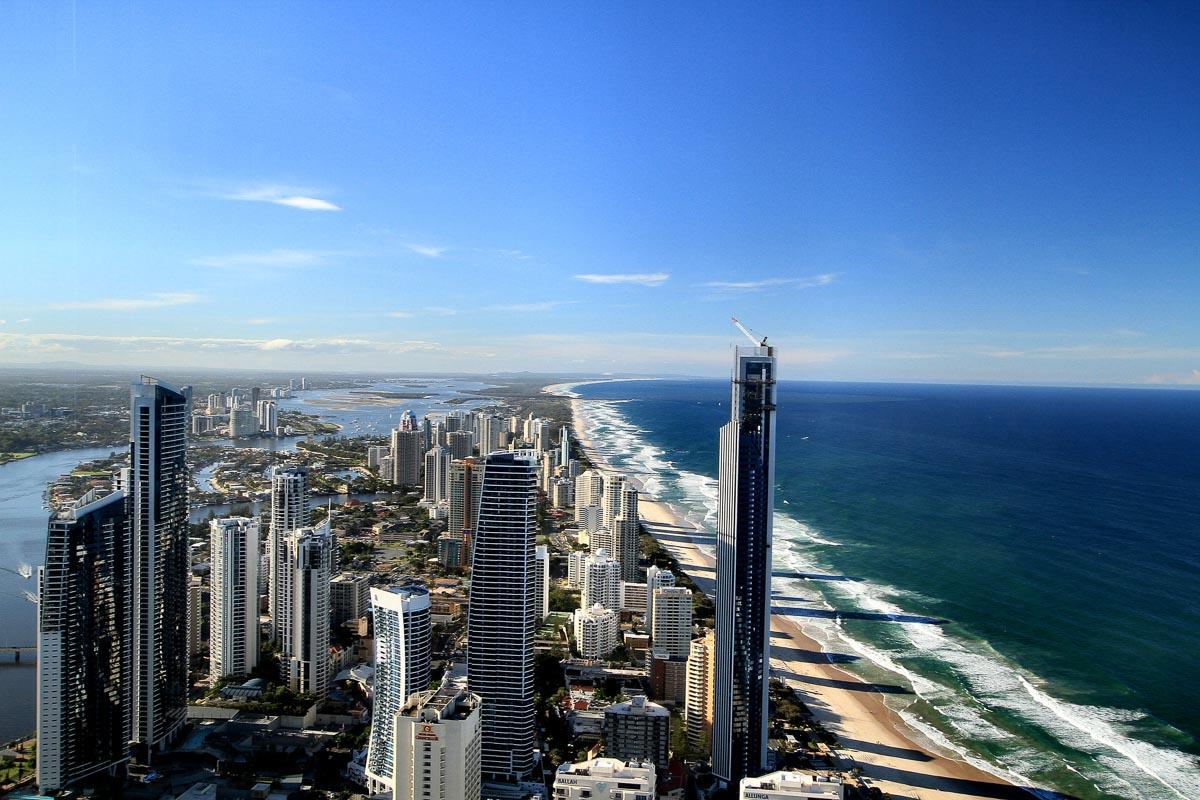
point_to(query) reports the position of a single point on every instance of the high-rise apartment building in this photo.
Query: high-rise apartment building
(289, 511)
(195, 617)
(233, 597)
(460, 443)
(438, 746)
(465, 484)
(490, 430)
(437, 474)
(589, 491)
(576, 561)
(601, 582)
(672, 628)
(698, 703)
(268, 416)
(304, 646)
(500, 620)
(402, 651)
(349, 597)
(85, 642)
(542, 436)
(406, 455)
(158, 490)
(541, 581)
(743, 597)
(656, 578)
(620, 503)
(596, 630)
(638, 730)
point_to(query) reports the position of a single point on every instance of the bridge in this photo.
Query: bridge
(16, 651)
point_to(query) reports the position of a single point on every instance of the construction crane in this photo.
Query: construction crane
(753, 338)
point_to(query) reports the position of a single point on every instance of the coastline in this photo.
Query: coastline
(873, 737)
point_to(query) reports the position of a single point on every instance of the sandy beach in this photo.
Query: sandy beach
(873, 737)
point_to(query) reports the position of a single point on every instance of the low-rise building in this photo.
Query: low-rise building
(605, 779)
(792, 786)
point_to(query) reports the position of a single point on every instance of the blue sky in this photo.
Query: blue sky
(921, 191)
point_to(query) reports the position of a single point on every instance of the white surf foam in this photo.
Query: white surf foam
(1128, 766)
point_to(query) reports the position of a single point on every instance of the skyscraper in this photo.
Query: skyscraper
(620, 502)
(85, 658)
(406, 456)
(744, 521)
(289, 511)
(159, 483)
(589, 492)
(304, 645)
(601, 582)
(671, 630)
(656, 577)
(233, 597)
(541, 581)
(698, 707)
(437, 474)
(500, 620)
(466, 482)
(490, 428)
(460, 443)
(402, 650)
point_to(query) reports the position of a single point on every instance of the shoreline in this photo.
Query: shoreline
(872, 736)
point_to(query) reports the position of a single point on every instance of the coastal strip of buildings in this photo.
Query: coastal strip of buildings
(120, 620)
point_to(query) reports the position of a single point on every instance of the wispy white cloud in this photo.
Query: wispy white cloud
(281, 258)
(427, 250)
(156, 300)
(640, 278)
(290, 196)
(441, 311)
(519, 255)
(47, 342)
(260, 321)
(546, 305)
(400, 314)
(823, 279)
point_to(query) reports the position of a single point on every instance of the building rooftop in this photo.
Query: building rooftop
(638, 704)
(448, 702)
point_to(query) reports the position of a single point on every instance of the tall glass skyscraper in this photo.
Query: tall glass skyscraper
(289, 511)
(744, 521)
(158, 512)
(402, 653)
(304, 646)
(84, 717)
(500, 620)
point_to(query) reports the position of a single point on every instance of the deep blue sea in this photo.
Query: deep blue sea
(1025, 560)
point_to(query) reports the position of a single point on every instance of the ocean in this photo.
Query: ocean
(1025, 560)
